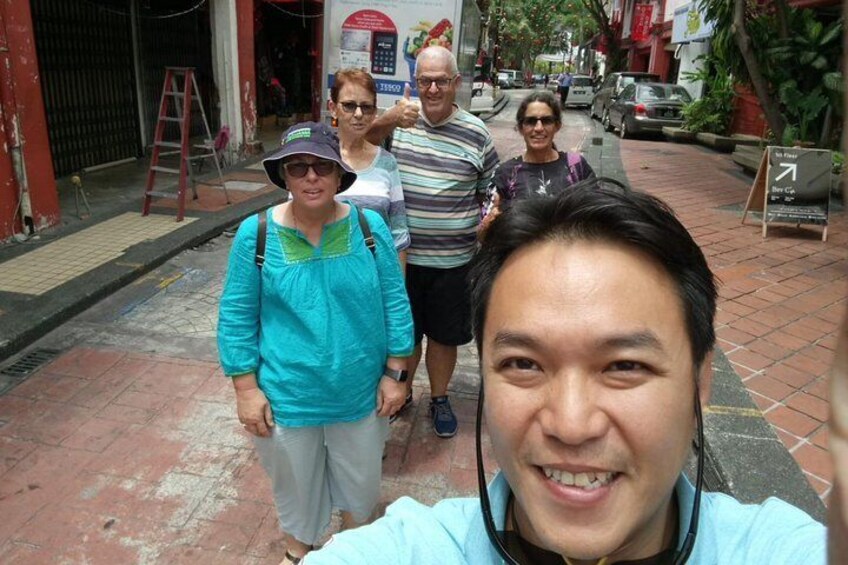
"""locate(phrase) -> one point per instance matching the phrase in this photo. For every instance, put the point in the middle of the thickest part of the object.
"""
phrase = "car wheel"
(605, 121)
(625, 133)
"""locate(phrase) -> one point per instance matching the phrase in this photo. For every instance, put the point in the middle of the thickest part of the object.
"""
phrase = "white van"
(581, 91)
(517, 77)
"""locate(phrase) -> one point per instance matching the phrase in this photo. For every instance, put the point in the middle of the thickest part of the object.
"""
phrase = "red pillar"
(660, 58)
(24, 125)
(247, 69)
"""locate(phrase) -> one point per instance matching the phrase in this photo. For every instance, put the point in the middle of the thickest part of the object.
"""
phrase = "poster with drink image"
(384, 37)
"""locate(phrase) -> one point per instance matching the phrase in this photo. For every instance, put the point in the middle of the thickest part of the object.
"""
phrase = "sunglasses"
(350, 107)
(424, 83)
(299, 169)
(531, 121)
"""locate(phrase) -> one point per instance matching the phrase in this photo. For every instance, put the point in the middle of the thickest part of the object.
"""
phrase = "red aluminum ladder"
(181, 101)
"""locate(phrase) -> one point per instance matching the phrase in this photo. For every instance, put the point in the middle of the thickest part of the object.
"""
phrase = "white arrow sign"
(790, 168)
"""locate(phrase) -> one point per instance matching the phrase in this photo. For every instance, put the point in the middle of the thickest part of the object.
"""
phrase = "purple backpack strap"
(573, 159)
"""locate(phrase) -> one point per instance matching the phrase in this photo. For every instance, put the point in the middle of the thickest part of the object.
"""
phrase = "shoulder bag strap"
(261, 230)
(572, 160)
(366, 232)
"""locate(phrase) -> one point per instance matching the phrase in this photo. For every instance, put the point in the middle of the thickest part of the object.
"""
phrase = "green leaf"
(833, 81)
(833, 32)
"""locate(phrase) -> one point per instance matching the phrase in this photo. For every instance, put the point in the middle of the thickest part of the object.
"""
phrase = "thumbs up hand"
(407, 110)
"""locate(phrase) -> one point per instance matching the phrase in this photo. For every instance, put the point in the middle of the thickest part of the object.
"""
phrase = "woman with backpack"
(542, 169)
(314, 330)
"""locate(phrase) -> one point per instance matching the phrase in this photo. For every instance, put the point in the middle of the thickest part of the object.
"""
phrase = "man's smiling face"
(589, 391)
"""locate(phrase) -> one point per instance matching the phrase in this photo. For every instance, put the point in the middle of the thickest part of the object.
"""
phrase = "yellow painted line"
(169, 281)
(733, 411)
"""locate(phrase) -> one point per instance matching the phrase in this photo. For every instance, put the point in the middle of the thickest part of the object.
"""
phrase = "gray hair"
(440, 54)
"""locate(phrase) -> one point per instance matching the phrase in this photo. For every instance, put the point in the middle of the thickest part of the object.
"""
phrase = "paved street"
(126, 447)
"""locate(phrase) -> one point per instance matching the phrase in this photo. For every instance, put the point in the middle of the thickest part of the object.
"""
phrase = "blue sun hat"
(308, 138)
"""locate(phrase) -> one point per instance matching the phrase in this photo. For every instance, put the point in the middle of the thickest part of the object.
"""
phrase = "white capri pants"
(316, 469)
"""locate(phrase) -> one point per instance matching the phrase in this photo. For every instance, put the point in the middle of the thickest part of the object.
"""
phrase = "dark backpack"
(261, 230)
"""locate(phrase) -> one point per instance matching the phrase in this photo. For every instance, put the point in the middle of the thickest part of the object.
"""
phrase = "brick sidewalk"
(117, 457)
(781, 298)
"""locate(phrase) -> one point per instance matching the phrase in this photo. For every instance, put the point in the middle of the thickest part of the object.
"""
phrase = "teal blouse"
(318, 328)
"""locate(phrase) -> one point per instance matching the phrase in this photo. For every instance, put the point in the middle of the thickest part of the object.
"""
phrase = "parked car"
(538, 79)
(646, 107)
(505, 80)
(581, 91)
(516, 76)
(613, 84)
(553, 83)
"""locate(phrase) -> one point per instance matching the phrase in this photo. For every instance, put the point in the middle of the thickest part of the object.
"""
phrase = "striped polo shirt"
(445, 169)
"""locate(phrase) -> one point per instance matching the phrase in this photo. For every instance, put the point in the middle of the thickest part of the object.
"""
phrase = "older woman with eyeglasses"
(542, 168)
(314, 330)
(353, 105)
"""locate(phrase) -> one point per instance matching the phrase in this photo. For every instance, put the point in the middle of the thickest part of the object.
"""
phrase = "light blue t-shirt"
(328, 318)
(452, 532)
(378, 188)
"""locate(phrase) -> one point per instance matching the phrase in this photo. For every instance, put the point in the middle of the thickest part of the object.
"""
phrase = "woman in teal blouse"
(316, 340)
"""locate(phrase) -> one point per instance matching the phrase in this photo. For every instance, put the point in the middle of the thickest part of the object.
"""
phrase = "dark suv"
(612, 86)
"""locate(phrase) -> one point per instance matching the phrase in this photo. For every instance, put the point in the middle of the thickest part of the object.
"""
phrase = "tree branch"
(770, 106)
(782, 13)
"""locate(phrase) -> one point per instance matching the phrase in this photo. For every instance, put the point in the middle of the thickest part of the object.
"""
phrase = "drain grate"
(30, 362)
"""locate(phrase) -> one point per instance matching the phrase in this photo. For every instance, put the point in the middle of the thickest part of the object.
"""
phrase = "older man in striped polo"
(446, 159)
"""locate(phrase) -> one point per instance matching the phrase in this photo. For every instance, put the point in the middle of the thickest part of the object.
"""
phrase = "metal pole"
(139, 78)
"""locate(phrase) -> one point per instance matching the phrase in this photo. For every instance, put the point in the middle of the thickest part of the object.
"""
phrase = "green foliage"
(712, 112)
(800, 69)
(838, 162)
(528, 28)
(803, 110)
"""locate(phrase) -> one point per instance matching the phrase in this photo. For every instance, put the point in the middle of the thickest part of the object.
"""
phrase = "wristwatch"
(396, 374)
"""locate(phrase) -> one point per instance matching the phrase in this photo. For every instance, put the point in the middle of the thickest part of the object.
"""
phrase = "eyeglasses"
(299, 169)
(531, 121)
(350, 107)
(424, 83)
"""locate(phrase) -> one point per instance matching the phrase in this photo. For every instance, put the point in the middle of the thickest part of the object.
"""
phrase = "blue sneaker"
(444, 422)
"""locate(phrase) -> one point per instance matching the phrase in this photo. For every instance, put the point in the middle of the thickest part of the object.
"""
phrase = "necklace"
(328, 219)
(552, 156)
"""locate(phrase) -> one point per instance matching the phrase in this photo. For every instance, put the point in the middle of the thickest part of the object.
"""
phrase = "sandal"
(289, 559)
(406, 404)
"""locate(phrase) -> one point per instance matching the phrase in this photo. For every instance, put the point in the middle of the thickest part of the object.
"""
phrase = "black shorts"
(440, 303)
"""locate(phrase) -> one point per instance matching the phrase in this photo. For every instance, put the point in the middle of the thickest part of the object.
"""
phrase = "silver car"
(646, 107)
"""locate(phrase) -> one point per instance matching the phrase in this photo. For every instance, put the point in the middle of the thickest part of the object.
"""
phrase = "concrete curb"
(749, 460)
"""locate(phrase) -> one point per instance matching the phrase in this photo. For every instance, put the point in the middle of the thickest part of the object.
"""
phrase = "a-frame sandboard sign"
(792, 186)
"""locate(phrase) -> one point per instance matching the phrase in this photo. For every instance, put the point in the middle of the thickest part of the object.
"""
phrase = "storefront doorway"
(288, 60)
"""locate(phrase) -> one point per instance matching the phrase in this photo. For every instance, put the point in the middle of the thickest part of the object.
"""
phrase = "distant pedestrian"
(541, 169)
(446, 160)
(565, 80)
(315, 336)
(547, 79)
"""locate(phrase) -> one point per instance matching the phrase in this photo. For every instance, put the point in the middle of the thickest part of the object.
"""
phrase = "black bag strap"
(261, 231)
(366, 232)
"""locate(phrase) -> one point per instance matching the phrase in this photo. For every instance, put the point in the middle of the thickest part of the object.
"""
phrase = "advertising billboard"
(384, 37)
